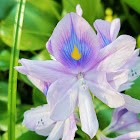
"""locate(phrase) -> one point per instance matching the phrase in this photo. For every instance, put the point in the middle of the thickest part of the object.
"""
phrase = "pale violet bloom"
(38, 120)
(122, 78)
(78, 68)
(124, 123)
(107, 32)
(134, 70)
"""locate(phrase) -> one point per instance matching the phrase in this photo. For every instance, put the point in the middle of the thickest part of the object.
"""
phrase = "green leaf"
(132, 19)
(20, 111)
(12, 88)
(138, 41)
(2, 44)
(49, 6)
(92, 9)
(81, 133)
(135, 89)
(135, 4)
(3, 116)
(134, 22)
(38, 24)
(25, 79)
(38, 97)
(104, 113)
(22, 133)
(5, 7)
(4, 60)
(3, 106)
(43, 55)
(3, 92)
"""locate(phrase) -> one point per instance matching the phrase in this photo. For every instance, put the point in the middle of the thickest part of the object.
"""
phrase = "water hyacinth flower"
(124, 76)
(124, 123)
(38, 120)
(134, 70)
(78, 68)
(107, 32)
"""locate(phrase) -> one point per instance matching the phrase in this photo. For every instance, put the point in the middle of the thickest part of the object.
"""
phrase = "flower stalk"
(12, 89)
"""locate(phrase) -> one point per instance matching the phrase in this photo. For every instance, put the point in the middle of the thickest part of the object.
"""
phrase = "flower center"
(80, 75)
(75, 54)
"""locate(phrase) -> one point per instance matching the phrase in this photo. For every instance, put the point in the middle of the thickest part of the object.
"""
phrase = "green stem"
(12, 89)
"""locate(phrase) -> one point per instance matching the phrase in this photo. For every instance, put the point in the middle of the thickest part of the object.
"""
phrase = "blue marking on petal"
(46, 87)
(83, 48)
(121, 113)
(106, 41)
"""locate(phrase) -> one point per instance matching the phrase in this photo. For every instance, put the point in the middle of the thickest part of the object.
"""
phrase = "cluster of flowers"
(85, 63)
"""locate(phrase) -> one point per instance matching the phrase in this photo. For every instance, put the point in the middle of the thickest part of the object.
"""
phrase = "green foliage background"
(40, 18)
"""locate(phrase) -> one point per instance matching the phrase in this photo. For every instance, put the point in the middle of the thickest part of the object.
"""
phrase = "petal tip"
(79, 10)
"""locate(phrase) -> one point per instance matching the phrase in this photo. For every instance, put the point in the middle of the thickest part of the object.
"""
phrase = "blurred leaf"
(3, 116)
(25, 79)
(43, 55)
(38, 24)
(135, 4)
(4, 60)
(132, 19)
(22, 133)
(3, 92)
(20, 111)
(38, 97)
(104, 113)
(5, 7)
(112, 135)
(135, 89)
(3, 105)
(49, 6)
(81, 133)
(92, 9)
(138, 41)
(2, 44)
(134, 22)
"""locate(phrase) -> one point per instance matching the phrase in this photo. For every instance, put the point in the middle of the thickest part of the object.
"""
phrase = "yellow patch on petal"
(75, 54)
